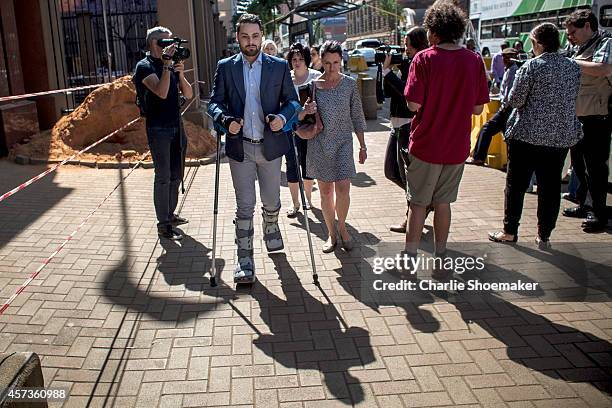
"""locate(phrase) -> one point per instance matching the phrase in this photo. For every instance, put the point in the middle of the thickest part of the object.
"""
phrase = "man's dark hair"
(248, 19)
(317, 48)
(418, 38)
(547, 35)
(504, 45)
(580, 17)
(446, 20)
(298, 48)
(333, 47)
(522, 47)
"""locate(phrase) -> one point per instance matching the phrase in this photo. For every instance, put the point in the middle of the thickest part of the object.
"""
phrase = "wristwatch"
(363, 149)
(169, 68)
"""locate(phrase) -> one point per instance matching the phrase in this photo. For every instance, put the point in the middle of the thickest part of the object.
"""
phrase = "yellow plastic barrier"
(498, 155)
(487, 61)
(357, 63)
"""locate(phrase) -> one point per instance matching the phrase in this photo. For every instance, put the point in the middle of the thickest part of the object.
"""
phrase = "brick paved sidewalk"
(124, 320)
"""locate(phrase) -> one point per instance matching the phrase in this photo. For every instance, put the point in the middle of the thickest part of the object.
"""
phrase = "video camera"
(520, 59)
(181, 53)
(397, 54)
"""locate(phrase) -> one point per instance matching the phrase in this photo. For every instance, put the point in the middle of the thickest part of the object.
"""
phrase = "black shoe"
(594, 224)
(176, 220)
(575, 212)
(400, 228)
(169, 233)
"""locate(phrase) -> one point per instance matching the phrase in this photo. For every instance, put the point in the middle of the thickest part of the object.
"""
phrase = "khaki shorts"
(429, 183)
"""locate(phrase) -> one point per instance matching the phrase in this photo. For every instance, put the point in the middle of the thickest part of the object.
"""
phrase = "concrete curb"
(113, 165)
(23, 160)
(20, 159)
(210, 159)
(86, 163)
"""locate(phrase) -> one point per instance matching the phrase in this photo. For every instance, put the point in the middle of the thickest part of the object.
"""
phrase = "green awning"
(537, 6)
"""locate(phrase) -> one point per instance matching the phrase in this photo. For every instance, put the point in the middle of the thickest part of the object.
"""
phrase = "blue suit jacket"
(277, 94)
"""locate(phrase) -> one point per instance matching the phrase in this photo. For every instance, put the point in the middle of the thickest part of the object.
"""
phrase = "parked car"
(368, 43)
(368, 54)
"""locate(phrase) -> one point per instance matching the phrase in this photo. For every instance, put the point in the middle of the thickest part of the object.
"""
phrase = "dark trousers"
(495, 125)
(395, 169)
(589, 160)
(547, 162)
(168, 147)
(291, 160)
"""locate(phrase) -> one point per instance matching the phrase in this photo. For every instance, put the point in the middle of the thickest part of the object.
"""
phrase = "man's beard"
(250, 52)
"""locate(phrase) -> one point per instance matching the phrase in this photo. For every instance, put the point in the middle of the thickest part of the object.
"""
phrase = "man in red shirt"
(446, 86)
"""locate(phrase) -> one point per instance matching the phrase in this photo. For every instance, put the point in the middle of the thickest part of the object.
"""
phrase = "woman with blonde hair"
(269, 47)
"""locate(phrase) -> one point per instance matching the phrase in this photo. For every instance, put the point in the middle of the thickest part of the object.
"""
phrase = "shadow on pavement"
(183, 263)
(362, 179)
(309, 334)
(24, 208)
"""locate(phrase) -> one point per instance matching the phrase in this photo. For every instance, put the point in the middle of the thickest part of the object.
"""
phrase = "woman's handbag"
(395, 158)
(312, 125)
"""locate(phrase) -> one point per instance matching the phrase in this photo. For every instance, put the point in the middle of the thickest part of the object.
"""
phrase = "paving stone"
(117, 305)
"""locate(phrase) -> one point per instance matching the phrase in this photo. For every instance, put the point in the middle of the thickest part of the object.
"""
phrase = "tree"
(317, 31)
(392, 10)
(263, 8)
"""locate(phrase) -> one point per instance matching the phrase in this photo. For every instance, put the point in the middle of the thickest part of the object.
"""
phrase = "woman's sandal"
(500, 236)
(330, 245)
(348, 244)
(293, 212)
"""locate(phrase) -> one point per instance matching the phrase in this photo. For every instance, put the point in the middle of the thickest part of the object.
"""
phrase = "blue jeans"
(168, 147)
(495, 125)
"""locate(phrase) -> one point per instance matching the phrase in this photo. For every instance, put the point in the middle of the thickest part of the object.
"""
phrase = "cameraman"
(158, 80)
(415, 41)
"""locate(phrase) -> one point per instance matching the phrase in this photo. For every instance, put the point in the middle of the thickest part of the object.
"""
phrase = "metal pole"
(194, 52)
(108, 53)
(213, 268)
(397, 30)
(315, 276)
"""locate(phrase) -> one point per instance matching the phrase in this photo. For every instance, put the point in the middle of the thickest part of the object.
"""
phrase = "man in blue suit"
(253, 97)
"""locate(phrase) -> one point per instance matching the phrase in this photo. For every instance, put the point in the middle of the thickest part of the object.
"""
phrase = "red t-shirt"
(447, 84)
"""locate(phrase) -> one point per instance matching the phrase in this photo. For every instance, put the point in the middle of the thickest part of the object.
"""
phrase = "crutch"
(315, 276)
(289, 127)
(213, 269)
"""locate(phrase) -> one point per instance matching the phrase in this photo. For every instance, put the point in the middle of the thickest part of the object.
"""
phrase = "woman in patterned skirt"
(330, 153)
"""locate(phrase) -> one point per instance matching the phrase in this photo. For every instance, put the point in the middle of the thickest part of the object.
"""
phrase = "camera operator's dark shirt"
(159, 112)
(394, 89)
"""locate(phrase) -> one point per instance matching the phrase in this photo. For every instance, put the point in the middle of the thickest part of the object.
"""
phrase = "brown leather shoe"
(401, 228)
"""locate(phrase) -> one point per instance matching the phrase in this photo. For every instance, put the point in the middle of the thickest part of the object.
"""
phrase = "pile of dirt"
(104, 110)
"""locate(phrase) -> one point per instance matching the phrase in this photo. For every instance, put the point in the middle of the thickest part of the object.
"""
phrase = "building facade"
(227, 10)
(73, 41)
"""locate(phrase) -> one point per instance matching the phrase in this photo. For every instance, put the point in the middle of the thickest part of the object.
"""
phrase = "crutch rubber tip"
(213, 281)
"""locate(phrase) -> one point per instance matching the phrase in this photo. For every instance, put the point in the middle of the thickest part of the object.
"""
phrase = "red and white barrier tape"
(51, 169)
(45, 93)
(59, 248)
(55, 91)
(69, 238)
